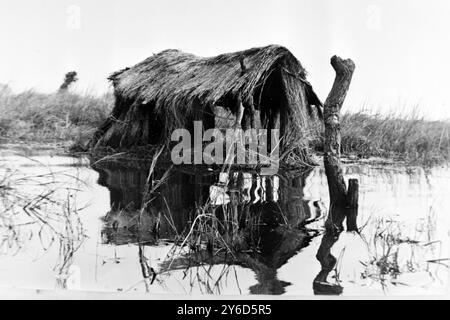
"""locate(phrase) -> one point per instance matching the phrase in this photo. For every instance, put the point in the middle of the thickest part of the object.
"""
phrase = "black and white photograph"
(210, 149)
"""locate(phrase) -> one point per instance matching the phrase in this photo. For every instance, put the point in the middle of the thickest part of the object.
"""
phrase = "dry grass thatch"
(166, 91)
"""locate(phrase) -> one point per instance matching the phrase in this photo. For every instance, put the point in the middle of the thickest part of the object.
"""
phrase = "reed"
(66, 118)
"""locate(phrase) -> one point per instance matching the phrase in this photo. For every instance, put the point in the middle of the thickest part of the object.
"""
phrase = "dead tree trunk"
(343, 202)
(336, 184)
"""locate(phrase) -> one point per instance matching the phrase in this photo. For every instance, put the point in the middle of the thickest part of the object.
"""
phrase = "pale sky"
(401, 47)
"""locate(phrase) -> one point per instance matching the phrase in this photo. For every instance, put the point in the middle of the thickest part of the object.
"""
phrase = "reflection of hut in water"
(267, 211)
(265, 87)
(127, 223)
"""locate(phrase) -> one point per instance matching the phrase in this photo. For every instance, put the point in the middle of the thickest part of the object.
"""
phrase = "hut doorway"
(273, 104)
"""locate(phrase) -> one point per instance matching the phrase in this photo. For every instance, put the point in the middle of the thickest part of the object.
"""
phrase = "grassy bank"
(404, 137)
(59, 118)
(70, 119)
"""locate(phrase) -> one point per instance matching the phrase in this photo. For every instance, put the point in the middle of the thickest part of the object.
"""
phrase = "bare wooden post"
(336, 184)
(239, 113)
(249, 114)
(239, 104)
(246, 109)
(243, 67)
(352, 204)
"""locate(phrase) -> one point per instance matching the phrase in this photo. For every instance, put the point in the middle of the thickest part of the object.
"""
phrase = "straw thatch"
(171, 89)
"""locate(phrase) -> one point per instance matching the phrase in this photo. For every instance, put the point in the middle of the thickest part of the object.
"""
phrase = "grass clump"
(62, 117)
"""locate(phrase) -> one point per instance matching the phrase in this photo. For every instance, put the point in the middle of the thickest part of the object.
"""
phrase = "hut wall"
(296, 122)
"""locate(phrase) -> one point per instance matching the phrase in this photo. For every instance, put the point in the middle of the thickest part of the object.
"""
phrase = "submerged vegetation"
(39, 206)
(398, 251)
(70, 119)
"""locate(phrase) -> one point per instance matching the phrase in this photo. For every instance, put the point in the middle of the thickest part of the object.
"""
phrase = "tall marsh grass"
(64, 117)
(405, 137)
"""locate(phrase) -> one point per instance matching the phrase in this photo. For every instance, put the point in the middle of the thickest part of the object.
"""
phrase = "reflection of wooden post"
(327, 263)
(332, 107)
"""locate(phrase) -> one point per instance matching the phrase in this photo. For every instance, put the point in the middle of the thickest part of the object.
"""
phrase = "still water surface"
(67, 226)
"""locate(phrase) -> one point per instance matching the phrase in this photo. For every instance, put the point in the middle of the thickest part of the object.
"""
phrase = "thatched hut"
(171, 89)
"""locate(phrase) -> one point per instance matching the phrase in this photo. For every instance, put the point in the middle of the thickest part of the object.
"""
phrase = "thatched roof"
(173, 76)
(172, 83)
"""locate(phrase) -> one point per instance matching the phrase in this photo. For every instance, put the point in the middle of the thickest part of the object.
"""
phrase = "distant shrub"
(69, 78)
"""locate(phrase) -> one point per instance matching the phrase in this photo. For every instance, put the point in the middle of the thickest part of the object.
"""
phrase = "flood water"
(67, 226)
